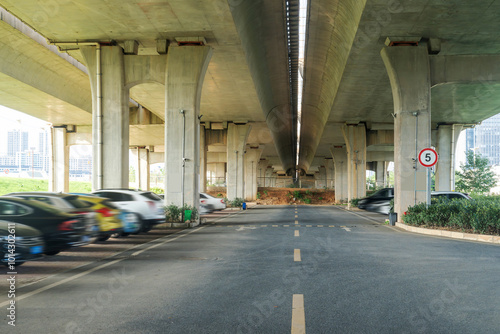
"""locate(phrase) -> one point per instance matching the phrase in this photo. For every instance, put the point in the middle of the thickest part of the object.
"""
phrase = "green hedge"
(479, 215)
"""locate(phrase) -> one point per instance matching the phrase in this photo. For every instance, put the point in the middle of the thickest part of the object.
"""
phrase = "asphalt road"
(281, 269)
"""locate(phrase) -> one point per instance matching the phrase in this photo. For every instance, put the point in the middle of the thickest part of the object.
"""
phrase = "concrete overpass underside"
(357, 102)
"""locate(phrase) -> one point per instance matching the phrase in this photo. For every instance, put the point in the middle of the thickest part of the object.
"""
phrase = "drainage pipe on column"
(99, 116)
(183, 160)
(452, 164)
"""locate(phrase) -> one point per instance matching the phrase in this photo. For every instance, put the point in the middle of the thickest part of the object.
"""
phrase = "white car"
(147, 205)
(212, 203)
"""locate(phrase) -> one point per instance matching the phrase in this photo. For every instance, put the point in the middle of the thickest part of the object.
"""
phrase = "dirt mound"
(283, 196)
(280, 196)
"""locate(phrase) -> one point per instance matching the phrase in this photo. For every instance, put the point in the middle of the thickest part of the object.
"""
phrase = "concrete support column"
(252, 158)
(386, 177)
(203, 160)
(380, 174)
(186, 68)
(355, 138)
(321, 178)
(110, 128)
(237, 136)
(447, 137)
(409, 73)
(143, 168)
(269, 177)
(274, 179)
(339, 155)
(261, 172)
(59, 163)
(330, 173)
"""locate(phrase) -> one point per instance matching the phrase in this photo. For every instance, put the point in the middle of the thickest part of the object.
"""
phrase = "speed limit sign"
(428, 157)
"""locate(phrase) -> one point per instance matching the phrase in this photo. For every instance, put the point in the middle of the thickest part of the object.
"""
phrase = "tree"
(476, 176)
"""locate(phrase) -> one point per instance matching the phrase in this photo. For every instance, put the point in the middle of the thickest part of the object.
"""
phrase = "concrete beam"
(464, 69)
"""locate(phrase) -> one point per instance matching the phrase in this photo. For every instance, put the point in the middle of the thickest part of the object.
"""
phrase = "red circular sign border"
(427, 149)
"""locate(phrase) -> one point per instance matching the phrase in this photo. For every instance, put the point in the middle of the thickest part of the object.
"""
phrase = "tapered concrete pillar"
(339, 155)
(252, 158)
(380, 174)
(59, 163)
(110, 126)
(409, 73)
(143, 168)
(355, 138)
(203, 160)
(186, 68)
(237, 136)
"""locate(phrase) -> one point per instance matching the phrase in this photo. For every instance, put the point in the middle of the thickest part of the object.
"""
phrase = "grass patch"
(12, 184)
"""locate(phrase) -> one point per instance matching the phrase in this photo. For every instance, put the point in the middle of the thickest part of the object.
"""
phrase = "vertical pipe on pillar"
(236, 173)
(183, 159)
(452, 162)
(99, 117)
(416, 155)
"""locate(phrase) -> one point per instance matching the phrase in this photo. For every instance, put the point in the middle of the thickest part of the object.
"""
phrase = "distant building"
(485, 139)
(17, 141)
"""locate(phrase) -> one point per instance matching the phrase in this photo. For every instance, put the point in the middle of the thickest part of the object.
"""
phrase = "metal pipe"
(452, 164)
(99, 117)
(183, 159)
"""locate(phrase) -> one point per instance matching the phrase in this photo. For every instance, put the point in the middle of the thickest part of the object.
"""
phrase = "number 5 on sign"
(428, 157)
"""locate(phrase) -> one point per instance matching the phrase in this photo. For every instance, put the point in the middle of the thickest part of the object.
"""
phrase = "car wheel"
(141, 224)
(146, 227)
(52, 252)
(103, 237)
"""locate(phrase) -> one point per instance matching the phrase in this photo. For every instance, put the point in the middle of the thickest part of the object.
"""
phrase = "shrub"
(354, 201)
(237, 202)
(479, 215)
(307, 200)
(173, 213)
(320, 198)
(258, 195)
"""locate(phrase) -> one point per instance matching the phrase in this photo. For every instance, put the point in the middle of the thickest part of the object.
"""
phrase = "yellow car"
(107, 216)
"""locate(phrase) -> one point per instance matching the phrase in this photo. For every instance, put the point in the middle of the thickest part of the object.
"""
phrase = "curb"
(450, 234)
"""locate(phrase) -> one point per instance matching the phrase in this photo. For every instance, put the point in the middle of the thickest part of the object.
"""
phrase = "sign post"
(428, 157)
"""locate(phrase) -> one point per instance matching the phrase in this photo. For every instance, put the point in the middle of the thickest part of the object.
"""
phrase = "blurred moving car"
(66, 202)
(60, 230)
(107, 214)
(131, 223)
(19, 243)
(378, 201)
(146, 204)
(212, 203)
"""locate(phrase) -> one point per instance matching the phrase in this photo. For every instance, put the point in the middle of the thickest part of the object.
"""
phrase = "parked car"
(107, 215)
(378, 201)
(147, 205)
(19, 243)
(212, 203)
(65, 202)
(60, 230)
(449, 195)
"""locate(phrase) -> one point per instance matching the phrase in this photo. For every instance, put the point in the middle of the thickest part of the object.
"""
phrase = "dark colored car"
(380, 201)
(19, 243)
(65, 202)
(61, 230)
